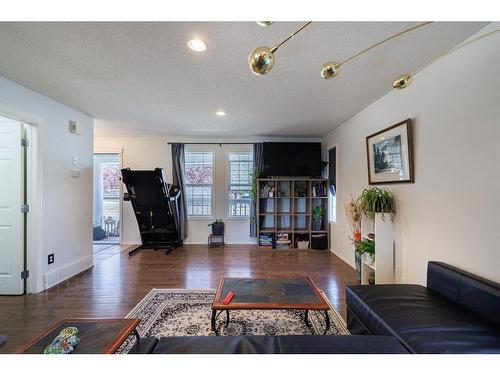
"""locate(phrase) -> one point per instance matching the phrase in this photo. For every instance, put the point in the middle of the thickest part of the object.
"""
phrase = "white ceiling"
(142, 75)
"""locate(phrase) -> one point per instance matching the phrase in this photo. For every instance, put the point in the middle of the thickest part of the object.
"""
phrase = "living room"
(293, 187)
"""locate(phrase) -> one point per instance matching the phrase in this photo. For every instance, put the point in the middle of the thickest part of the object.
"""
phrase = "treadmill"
(155, 207)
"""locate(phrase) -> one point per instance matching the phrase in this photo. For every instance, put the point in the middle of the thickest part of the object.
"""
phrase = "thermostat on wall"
(74, 128)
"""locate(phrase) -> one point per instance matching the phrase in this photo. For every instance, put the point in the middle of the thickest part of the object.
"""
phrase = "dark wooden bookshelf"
(289, 209)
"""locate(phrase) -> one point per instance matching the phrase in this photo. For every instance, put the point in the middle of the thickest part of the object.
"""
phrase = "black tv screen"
(291, 159)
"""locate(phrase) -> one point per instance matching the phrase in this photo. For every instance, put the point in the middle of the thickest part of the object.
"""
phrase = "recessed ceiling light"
(220, 113)
(197, 45)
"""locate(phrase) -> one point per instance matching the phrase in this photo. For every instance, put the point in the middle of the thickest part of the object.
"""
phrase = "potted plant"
(354, 213)
(367, 249)
(376, 200)
(217, 227)
(317, 215)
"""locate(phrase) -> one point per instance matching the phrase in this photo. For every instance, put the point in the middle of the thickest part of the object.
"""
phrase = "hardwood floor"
(117, 283)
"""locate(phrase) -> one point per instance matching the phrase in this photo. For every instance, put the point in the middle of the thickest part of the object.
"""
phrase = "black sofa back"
(472, 292)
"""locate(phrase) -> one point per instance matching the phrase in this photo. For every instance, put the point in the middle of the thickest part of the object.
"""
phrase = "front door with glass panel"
(107, 217)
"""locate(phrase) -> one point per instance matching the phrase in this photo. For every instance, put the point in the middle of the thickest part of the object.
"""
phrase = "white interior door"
(11, 199)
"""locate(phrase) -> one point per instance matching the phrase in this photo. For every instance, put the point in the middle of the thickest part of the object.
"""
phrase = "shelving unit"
(285, 206)
(383, 266)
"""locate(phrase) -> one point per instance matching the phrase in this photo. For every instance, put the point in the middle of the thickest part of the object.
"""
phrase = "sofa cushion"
(217, 345)
(423, 321)
(328, 344)
(308, 344)
(474, 293)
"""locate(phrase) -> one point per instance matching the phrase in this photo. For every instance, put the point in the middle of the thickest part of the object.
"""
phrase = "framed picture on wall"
(390, 155)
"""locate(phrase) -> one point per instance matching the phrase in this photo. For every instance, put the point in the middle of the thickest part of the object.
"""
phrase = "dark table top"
(96, 335)
(279, 293)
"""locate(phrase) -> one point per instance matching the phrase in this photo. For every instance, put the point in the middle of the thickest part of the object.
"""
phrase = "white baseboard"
(348, 261)
(58, 275)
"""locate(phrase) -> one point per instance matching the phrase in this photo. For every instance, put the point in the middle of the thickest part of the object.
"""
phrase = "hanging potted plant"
(376, 200)
(317, 215)
(217, 227)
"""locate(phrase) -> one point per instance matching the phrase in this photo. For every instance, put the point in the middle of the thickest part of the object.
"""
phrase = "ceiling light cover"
(220, 113)
(264, 23)
(197, 45)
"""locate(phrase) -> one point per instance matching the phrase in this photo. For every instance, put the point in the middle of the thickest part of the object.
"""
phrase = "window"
(332, 183)
(199, 166)
(240, 184)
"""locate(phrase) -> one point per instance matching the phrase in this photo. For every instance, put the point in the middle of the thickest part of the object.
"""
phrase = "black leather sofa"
(270, 345)
(457, 312)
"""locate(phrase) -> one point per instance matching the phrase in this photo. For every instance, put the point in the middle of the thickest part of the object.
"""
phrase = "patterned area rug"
(186, 312)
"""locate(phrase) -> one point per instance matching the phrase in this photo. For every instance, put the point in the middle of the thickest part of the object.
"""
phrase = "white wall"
(148, 152)
(65, 218)
(452, 211)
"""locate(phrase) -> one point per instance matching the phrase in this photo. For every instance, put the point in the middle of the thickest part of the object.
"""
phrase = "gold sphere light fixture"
(264, 23)
(261, 60)
(331, 69)
(403, 81)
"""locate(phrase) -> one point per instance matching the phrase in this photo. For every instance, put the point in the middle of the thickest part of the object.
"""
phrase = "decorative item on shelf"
(282, 194)
(317, 215)
(302, 241)
(301, 189)
(371, 278)
(283, 241)
(217, 227)
(354, 213)
(266, 191)
(390, 154)
(376, 200)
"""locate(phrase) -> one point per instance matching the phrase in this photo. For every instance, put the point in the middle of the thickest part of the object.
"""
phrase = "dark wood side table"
(269, 294)
(97, 336)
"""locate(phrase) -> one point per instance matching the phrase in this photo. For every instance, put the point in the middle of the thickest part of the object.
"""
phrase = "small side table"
(215, 241)
(97, 336)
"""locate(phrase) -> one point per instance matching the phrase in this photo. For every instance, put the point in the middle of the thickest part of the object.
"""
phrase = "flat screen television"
(291, 159)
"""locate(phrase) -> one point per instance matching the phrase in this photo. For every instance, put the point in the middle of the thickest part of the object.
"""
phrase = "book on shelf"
(319, 190)
(266, 240)
(282, 237)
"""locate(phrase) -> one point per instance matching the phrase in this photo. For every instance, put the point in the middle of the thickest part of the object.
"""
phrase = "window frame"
(228, 183)
(333, 212)
(212, 201)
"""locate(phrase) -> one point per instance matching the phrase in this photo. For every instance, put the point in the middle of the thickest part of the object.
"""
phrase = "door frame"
(118, 152)
(32, 229)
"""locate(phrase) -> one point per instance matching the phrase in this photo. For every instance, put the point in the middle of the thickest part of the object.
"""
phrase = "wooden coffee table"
(97, 336)
(269, 294)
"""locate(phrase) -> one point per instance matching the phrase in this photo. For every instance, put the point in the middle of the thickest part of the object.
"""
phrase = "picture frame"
(389, 155)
